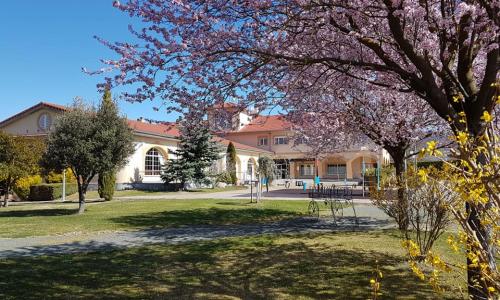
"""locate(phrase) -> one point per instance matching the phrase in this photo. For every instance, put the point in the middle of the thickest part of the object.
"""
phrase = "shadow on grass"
(250, 268)
(210, 216)
(38, 213)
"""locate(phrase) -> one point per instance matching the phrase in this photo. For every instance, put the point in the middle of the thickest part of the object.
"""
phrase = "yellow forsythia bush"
(22, 186)
(54, 177)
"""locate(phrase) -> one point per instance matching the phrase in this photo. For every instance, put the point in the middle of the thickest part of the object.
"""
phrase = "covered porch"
(335, 167)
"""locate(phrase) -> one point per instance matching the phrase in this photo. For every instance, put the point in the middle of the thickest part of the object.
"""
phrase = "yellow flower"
(462, 138)
(431, 146)
(372, 281)
(491, 289)
(487, 117)
(423, 175)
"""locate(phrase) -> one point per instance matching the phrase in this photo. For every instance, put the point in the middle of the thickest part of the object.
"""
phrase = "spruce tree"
(231, 162)
(196, 153)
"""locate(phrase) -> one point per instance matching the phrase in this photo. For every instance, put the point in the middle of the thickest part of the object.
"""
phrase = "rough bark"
(398, 155)
(81, 195)
(7, 191)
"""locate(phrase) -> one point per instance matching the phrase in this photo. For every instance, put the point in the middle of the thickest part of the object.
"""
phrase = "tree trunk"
(6, 199)
(398, 155)
(81, 196)
(7, 190)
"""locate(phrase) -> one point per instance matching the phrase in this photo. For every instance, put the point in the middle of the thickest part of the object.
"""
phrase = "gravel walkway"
(369, 218)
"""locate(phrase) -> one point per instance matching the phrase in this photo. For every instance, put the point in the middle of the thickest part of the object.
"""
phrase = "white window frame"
(153, 162)
(281, 140)
(261, 139)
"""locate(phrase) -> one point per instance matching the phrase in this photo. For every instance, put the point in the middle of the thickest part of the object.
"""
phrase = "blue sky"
(44, 45)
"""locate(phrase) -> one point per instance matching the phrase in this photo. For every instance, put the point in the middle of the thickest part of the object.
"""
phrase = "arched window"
(250, 168)
(154, 161)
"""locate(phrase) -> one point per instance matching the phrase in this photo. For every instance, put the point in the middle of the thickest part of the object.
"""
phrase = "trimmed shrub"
(51, 191)
(23, 185)
(106, 185)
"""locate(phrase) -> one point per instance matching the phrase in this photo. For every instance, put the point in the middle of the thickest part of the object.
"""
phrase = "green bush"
(22, 186)
(225, 177)
(106, 185)
(51, 191)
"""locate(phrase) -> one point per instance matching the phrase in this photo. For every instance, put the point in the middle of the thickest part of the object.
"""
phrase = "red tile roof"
(32, 109)
(167, 128)
(267, 123)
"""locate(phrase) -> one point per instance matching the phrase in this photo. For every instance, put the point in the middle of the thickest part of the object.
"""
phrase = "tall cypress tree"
(231, 162)
(107, 114)
(196, 153)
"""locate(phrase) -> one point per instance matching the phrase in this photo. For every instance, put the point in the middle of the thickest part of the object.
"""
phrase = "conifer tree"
(231, 162)
(196, 153)
(107, 116)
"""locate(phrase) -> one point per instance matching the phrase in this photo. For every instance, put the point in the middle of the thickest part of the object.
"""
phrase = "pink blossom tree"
(359, 113)
(194, 53)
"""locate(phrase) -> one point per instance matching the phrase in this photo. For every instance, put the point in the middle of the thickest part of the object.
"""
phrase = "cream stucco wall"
(28, 125)
(252, 139)
(134, 170)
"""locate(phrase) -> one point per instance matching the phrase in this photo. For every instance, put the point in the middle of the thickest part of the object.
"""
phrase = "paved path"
(275, 193)
(369, 218)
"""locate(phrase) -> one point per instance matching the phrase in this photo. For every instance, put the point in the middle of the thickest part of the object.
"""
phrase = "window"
(282, 170)
(44, 122)
(154, 160)
(306, 170)
(263, 141)
(300, 140)
(336, 170)
(250, 168)
(280, 140)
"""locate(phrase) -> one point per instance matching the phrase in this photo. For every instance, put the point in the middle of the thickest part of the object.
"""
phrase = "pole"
(251, 188)
(378, 174)
(363, 171)
(64, 186)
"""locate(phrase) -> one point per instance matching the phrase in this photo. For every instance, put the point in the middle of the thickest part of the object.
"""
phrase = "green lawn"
(133, 193)
(60, 218)
(310, 266)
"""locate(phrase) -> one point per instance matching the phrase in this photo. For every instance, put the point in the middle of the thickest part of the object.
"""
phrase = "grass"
(307, 266)
(135, 193)
(61, 218)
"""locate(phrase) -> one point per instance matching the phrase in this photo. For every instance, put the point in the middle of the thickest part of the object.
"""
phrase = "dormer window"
(44, 122)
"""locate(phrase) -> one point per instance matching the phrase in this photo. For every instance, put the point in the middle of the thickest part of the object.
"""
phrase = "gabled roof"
(167, 128)
(28, 111)
(267, 123)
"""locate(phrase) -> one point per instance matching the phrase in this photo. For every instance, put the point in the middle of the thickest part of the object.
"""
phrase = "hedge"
(51, 191)
(23, 185)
